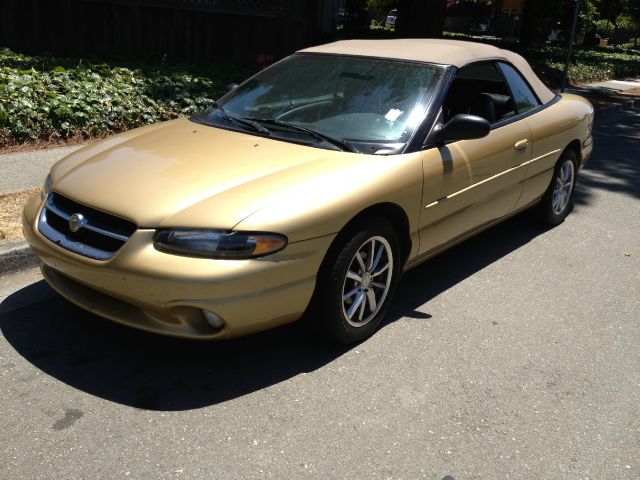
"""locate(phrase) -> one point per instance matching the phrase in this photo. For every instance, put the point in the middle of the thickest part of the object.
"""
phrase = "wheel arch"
(389, 211)
(575, 145)
(394, 214)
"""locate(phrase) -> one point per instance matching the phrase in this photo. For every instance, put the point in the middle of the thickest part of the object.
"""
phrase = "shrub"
(46, 98)
(605, 28)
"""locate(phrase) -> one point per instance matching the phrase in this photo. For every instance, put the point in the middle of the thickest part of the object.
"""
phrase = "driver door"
(469, 184)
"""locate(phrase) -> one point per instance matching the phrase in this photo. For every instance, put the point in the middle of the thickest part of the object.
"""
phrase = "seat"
(483, 106)
(504, 105)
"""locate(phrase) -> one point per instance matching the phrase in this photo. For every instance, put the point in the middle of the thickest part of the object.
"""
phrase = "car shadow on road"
(158, 373)
(615, 165)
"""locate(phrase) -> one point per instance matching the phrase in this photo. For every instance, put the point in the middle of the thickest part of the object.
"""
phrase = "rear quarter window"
(523, 96)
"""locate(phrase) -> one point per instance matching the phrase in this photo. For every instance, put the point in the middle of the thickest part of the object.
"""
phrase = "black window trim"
(436, 112)
(415, 142)
(499, 72)
(442, 95)
(506, 81)
(421, 133)
(506, 121)
(412, 144)
(498, 62)
(419, 140)
(520, 116)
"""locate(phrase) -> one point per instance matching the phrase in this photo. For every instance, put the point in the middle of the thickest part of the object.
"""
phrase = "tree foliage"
(421, 18)
(541, 15)
(380, 8)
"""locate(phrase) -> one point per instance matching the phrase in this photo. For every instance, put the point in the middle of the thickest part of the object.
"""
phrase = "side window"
(524, 98)
(479, 89)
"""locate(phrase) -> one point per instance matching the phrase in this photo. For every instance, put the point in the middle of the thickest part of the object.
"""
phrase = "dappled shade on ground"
(615, 164)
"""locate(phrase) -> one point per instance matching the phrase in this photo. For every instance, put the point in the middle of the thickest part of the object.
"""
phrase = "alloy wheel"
(367, 281)
(563, 187)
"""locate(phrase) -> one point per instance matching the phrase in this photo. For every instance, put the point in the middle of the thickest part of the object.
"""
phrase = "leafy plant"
(47, 98)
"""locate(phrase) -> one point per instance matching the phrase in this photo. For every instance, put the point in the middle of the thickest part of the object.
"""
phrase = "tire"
(350, 302)
(557, 201)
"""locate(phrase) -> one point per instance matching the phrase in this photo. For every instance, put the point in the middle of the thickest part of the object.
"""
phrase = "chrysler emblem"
(76, 222)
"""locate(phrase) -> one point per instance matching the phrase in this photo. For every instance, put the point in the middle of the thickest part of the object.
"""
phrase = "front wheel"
(557, 201)
(357, 281)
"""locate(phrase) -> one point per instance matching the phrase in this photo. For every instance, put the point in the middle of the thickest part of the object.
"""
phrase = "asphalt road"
(22, 170)
(514, 355)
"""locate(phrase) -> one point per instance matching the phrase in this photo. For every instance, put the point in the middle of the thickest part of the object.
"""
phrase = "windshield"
(346, 98)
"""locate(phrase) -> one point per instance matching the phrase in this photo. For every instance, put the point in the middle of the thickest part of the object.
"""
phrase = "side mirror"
(460, 127)
(231, 86)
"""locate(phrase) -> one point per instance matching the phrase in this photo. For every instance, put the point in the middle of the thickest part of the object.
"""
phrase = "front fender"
(333, 194)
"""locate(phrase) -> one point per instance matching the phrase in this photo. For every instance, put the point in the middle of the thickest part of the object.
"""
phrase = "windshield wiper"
(242, 121)
(256, 124)
(338, 142)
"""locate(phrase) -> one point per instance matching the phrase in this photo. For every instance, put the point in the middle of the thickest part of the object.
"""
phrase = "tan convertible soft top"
(444, 52)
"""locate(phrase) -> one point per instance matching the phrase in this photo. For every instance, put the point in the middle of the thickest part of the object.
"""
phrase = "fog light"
(212, 319)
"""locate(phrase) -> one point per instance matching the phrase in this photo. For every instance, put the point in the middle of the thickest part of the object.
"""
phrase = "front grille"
(99, 235)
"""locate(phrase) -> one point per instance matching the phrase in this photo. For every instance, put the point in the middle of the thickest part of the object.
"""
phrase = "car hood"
(163, 175)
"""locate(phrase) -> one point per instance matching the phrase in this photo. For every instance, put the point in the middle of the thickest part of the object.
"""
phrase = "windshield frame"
(362, 147)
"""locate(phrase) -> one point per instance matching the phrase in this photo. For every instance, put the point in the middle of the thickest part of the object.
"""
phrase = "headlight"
(218, 244)
(46, 188)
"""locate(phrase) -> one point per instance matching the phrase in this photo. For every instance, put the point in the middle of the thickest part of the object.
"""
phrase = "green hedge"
(47, 98)
(586, 65)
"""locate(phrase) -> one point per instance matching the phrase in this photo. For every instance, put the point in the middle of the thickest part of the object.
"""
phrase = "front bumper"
(162, 293)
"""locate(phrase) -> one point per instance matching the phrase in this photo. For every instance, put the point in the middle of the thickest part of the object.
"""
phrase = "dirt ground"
(43, 144)
(11, 205)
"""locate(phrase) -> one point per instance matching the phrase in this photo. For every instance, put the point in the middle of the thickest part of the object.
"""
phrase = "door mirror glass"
(460, 127)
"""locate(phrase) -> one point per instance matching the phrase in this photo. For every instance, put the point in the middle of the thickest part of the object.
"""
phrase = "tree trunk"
(528, 29)
(497, 8)
(533, 14)
(420, 18)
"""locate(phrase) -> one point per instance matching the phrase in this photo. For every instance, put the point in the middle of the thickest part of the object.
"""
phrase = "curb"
(15, 256)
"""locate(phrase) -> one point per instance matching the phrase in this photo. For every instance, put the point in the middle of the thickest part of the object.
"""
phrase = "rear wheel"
(557, 201)
(357, 281)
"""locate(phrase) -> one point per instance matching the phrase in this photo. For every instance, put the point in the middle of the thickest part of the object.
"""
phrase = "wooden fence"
(200, 31)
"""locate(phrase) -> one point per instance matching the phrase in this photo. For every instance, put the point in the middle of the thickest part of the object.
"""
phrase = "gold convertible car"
(309, 188)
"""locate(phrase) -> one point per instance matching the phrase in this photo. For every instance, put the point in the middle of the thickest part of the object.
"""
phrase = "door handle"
(521, 145)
